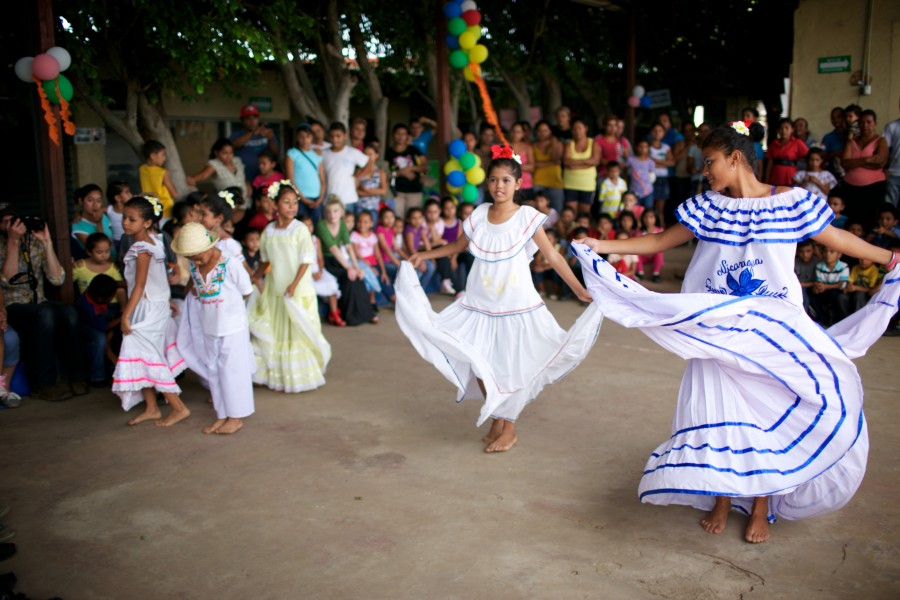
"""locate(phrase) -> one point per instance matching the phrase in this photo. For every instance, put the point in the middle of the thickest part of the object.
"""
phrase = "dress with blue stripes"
(770, 403)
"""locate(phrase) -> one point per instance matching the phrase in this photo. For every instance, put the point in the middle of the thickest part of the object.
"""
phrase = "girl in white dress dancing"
(769, 418)
(498, 341)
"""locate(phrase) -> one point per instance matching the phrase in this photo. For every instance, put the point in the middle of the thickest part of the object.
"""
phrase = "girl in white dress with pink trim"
(497, 342)
(146, 364)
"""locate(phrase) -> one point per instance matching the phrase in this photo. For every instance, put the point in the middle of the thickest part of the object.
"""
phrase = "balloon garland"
(464, 170)
(639, 98)
(45, 71)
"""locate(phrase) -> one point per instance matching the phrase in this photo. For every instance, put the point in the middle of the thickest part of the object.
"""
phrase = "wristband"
(895, 257)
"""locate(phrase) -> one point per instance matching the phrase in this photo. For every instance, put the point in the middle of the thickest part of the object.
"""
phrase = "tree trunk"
(156, 124)
(597, 98)
(455, 93)
(519, 87)
(377, 98)
(302, 96)
(552, 92)
(126, 128)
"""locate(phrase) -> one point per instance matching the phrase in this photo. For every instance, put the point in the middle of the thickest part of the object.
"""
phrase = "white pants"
(230, 365)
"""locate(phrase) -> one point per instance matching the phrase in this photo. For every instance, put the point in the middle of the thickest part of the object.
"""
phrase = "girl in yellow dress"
(291, 352)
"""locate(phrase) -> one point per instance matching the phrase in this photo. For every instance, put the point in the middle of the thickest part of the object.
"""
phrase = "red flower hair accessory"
(504, 152)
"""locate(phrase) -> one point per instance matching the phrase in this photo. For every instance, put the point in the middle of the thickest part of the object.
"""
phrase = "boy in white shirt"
(341, 162)
(611, 189)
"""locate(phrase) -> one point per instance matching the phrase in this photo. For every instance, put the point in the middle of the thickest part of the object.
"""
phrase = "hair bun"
(757, 131)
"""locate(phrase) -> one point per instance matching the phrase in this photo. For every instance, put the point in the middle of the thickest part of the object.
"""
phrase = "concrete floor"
(375, 487)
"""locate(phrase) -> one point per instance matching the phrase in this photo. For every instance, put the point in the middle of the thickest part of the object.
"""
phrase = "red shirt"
(259, 221)
(790, 151)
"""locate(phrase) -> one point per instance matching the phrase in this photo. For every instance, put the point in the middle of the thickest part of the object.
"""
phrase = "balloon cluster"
(464, 171)
(639, 98)
(45, 71)
(463, 34)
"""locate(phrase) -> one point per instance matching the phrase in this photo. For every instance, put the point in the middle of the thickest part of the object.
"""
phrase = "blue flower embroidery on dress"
(745, 285)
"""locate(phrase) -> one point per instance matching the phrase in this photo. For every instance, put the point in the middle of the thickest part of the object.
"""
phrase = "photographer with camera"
(47, 330)
(250, 141)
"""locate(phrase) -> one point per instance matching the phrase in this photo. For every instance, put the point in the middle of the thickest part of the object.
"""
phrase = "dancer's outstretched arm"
(847, 243)
(653, 243)
(560, 265)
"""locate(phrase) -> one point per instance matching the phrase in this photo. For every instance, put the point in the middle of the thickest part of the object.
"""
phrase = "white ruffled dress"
(499, 331)
(149, 356)
(770, 403)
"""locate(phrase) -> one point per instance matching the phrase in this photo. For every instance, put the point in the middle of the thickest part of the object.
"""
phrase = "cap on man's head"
(249, 110)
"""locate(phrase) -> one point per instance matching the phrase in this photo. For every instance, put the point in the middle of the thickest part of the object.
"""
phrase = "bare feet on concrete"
(174, 417)
(231, 426)
(758, 526)
(714, 521)
(215, 426)
(506, 440)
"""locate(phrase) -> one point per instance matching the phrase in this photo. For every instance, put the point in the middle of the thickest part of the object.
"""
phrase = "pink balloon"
(634, 101)
(45, 67)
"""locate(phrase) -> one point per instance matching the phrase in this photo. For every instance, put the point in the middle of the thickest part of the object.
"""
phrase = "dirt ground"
(375, 487)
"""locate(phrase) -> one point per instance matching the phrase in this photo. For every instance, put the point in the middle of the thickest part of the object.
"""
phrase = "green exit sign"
(834, 64)
(263, 103)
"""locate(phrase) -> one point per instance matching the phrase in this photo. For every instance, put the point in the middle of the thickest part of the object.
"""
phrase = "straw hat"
(193, 239)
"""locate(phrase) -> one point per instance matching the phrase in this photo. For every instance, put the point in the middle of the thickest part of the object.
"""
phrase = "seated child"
(98, 325)
(566, 223)
(98, 261)
(630, 203)
(388, 249)
(832, 276)
(863, 283)
(265, 212)
(887, 234)
(542, 203)
(583, 220)
(365, 243)
(815, 179)
(268, 171)
(325, 284)
(416, 238)
(579, 234)
(837, 207)
(627, 222)
(605, 227)
(648, 220)
(625, 264)
(542, 273)
(805, 269)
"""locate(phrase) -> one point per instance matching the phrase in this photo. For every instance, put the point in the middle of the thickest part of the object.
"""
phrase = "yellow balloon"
(471, 71)
(475, 175)
(453, 189)
(477, 160)
(467, 40)
(479, 52)
(474, 30)
(452, 165)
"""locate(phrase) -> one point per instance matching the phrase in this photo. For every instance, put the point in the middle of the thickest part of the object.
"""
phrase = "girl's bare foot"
(506, 440)
(758, 526)
(174, 417)
(147, 415)
(714, 521)
(214, 427)
(230, 426)
(494, 433)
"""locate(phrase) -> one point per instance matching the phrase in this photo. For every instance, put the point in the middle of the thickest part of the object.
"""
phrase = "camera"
(31, 223)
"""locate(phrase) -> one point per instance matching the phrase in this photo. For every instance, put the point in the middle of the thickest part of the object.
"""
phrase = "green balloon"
(467, 161)
(456, 26)
(65, 88)
(469, 193)
(459, 59)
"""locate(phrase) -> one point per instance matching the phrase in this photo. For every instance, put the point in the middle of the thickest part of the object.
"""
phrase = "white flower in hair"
(155, 203)
(227, 197)
(272, 191)
(740, 127)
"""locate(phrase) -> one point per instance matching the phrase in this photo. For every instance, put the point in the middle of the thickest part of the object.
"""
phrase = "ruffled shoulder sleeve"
(784, 218)
(141, 248)
(494, 243)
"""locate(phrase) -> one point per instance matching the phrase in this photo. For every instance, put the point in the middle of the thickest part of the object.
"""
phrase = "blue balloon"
(452, 9)
(645, 102)
(456, 178)
(452, 41)
(457, 148)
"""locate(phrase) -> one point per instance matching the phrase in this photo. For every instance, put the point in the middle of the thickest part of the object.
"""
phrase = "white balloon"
(638, 91)
(23, 69)
(469, 5)
(62, 56)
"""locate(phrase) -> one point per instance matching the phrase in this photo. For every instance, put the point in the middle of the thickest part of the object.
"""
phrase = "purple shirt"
(639, 171)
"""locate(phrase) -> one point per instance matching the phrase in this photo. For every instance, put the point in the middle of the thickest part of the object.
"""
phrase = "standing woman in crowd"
(783, 154)
(547, 175)
(303, 166)
(580, 158)
(610, 147)
(226, 169)
(863, 160)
